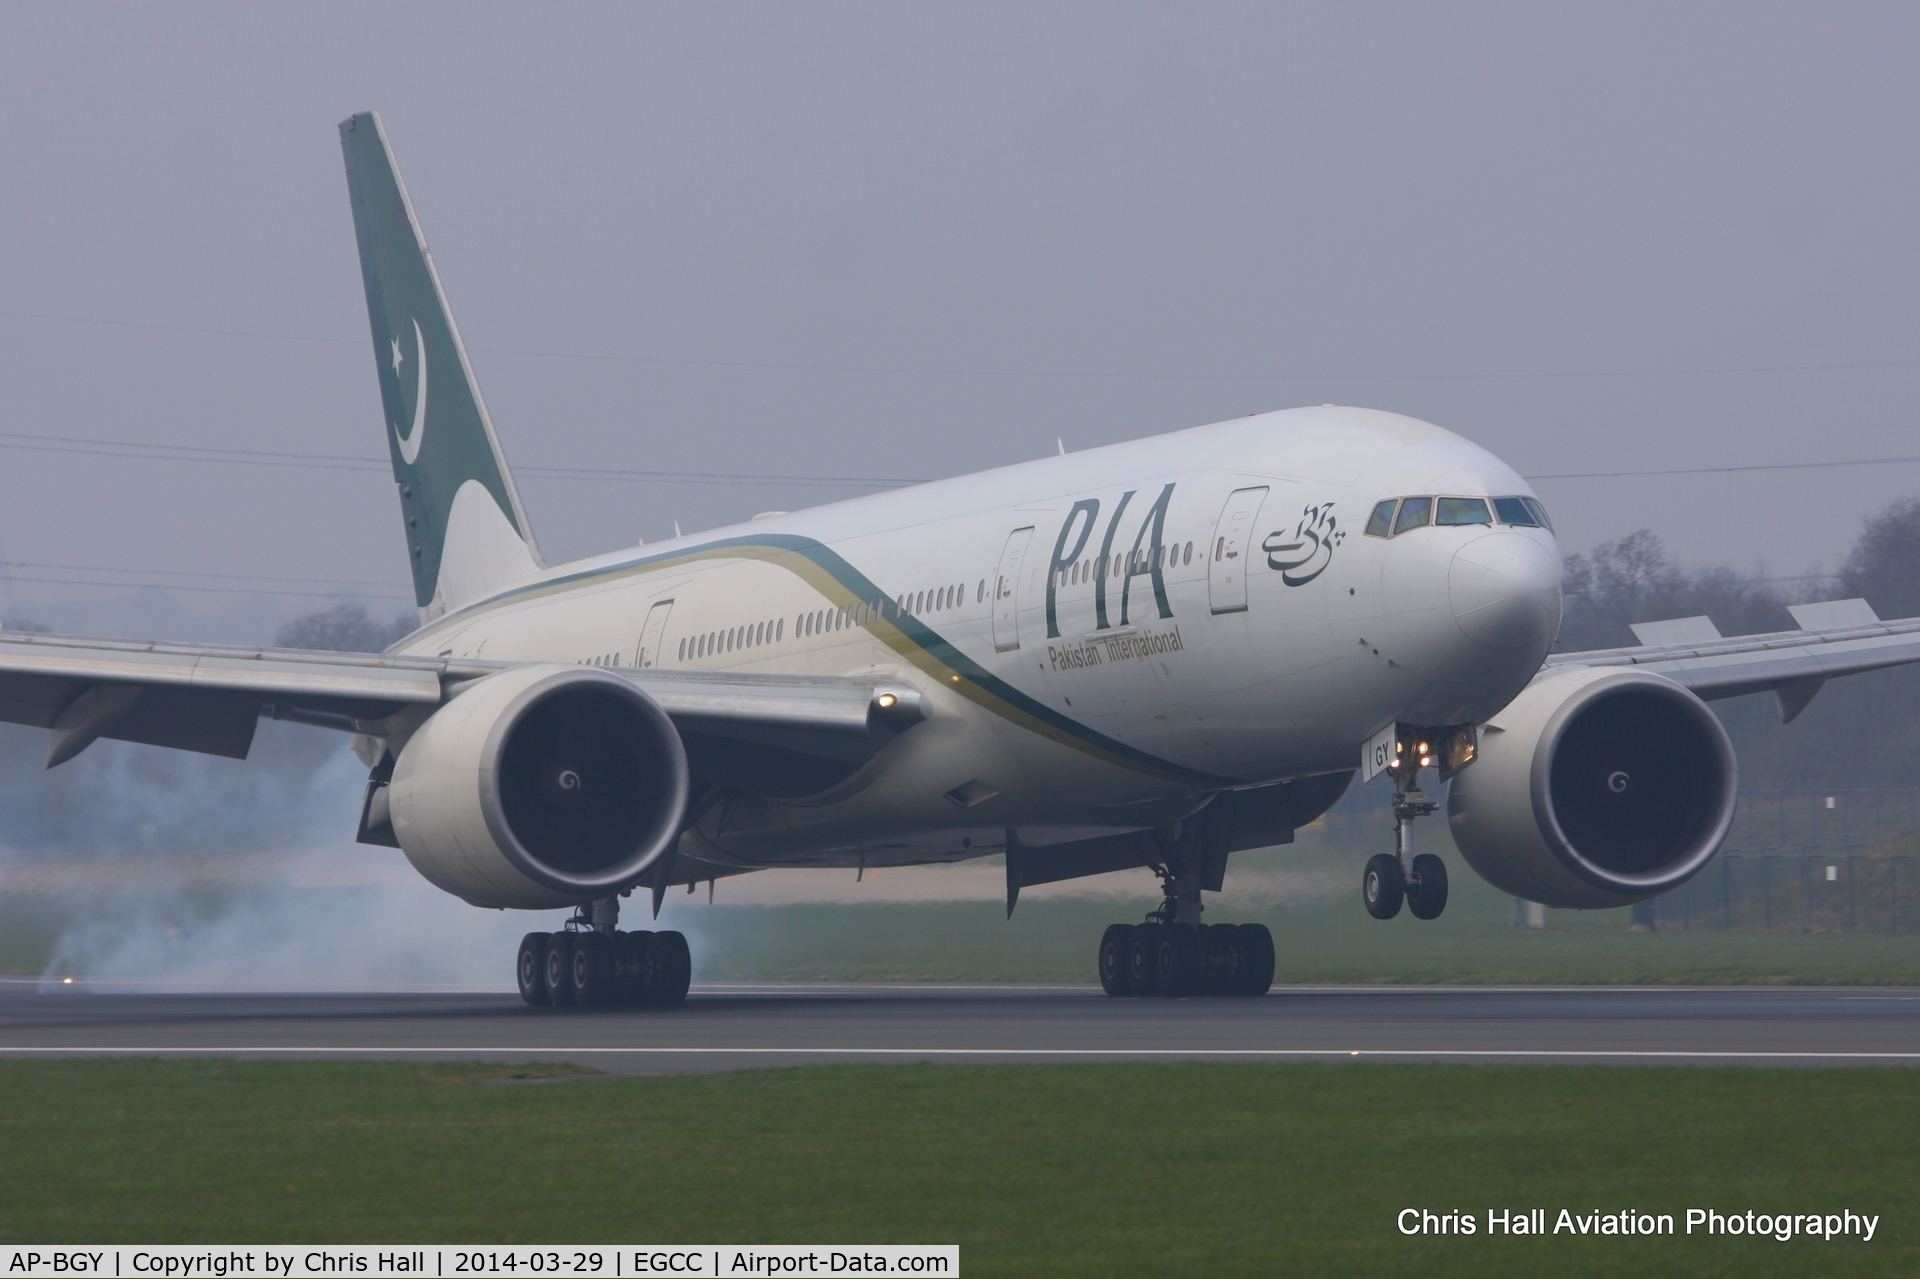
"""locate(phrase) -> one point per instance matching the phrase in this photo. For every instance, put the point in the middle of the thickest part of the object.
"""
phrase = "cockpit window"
(1463, 510)
(1381, 522)
(1414, 512)
(1513, 510)
(1539, 511)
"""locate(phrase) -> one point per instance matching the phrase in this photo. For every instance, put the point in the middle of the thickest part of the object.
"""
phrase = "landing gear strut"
(592, 963)
(1402, 876)
(1172, 953)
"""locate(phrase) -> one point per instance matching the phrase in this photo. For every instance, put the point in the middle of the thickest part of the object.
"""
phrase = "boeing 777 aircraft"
(1154, 654)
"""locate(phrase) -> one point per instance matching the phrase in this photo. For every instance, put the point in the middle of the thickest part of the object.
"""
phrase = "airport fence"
(1835, 821)
(1806, 892)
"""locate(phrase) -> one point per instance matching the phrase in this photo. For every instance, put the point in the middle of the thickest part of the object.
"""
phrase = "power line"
(1090, 375)
(1728, 470)
(216, 590)
(169, 572)
(136, 450)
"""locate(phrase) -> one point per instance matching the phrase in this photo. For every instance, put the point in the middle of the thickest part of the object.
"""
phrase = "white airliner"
(1154, 654)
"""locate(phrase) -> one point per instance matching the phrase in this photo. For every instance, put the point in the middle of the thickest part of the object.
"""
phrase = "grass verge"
(1171, 1169)
(1055, 940)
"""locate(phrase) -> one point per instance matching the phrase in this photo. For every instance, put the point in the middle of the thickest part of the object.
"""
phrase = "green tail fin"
(467, 534)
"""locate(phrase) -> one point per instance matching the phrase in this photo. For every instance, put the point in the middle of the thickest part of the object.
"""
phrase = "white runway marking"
(1170, 1053)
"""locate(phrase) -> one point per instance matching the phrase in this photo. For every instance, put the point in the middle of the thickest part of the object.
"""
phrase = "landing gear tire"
(1116, 973)
(633, 966)
(1159, 960)
(1143, 960)
(1220, 959)
(1177, 960)
(1254, 948)
(530, 970)
(590, 970)
(1383, 886)
(672, 969)
(1427, 890)
(557, 971)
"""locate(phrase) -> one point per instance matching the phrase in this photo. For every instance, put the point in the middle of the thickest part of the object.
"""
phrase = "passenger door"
(1227, 562)
(652, 633)
(1006, 591)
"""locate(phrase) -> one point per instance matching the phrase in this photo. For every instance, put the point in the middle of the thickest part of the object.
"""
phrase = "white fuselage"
(1104, 637)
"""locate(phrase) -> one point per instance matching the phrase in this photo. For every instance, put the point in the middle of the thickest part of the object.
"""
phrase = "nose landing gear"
(593, 963)
(1420, 881)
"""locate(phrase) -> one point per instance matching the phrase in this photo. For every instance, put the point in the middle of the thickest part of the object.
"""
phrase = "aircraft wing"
(208, 698)
(1837, 637)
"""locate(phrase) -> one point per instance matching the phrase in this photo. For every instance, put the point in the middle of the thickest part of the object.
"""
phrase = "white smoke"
(136, 902)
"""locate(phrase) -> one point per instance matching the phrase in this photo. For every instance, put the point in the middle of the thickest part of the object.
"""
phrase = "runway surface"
(735, 1026)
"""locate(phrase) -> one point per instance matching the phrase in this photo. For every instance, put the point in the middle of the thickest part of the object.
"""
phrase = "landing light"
(887, 700)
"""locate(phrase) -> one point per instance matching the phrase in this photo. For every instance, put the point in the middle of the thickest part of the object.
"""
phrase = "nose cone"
(1505, 591)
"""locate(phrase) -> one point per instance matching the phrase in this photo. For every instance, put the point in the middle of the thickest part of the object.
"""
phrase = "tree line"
(1862, 731)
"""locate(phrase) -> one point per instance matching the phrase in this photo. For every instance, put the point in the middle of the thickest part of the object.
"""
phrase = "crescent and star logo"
(410, 442)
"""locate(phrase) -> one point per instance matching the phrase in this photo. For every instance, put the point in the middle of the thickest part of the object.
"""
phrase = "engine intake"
(1595, 787)
(539, 787)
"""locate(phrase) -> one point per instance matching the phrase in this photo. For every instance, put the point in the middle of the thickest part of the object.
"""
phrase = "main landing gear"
(593, 963)
(1162, 958)
(1172, 953)
(1401, 876)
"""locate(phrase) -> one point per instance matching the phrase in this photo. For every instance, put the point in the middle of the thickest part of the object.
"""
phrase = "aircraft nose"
(1505, 590)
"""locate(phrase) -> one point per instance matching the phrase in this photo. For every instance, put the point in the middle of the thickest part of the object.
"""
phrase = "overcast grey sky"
(916, 240)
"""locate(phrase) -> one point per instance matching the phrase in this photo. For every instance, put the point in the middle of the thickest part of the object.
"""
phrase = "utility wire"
(217, 590)
(132, 449)
(169, 572)
(938, 371)
(1728, 470)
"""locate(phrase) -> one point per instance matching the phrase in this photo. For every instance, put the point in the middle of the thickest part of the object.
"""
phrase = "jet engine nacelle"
(1595, 787)
(539, 787)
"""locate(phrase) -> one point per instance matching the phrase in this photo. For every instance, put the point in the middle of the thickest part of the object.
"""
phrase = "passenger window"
(1415, 512)
(1539, 511)
(1512, 510)
(1381, 522)
(1463, 510)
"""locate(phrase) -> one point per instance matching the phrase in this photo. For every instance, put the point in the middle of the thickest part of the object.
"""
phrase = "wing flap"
(187, 719)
